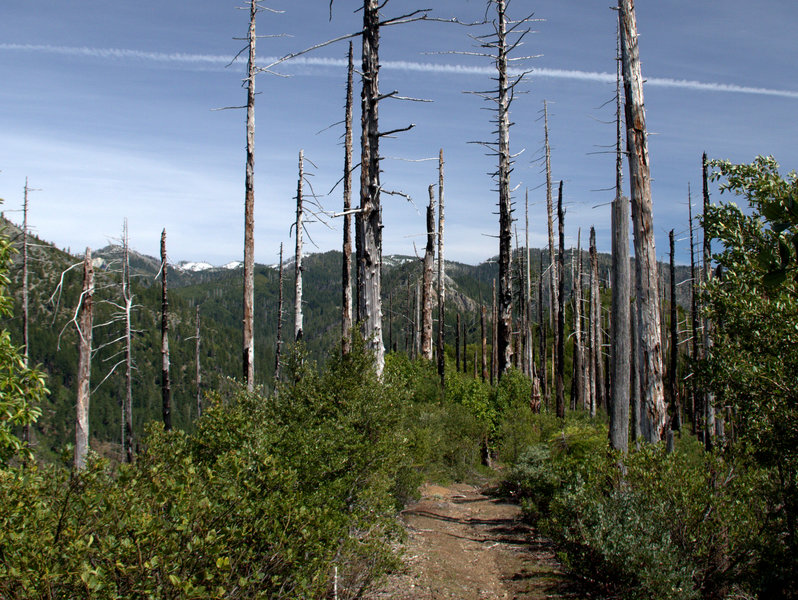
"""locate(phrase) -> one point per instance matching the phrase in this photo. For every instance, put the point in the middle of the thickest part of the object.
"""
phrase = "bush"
(261, 501)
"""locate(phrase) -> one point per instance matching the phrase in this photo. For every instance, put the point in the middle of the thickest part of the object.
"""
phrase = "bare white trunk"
(426, 285)
(346, 276)
(84, 363)
(298, 255)
(441, 279)
(249, 212)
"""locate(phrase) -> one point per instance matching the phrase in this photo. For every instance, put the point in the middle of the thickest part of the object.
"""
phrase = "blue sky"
(107, 108)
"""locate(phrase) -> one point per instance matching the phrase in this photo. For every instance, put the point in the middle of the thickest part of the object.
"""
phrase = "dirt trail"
(466, 545)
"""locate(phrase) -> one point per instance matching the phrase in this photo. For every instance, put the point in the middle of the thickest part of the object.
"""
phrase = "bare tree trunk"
(417, 320)
(249, 211)
(426, 284)
(585, 375)
(560, 309)
(482, 319)
(695, 401)
(166, 387)
(544, 386)
(84, 364)
(709, 398)
(577, 383)
(650, 351)
(441, 278)
(198, 378)
(494, 359)
(346, 275)
(369, 221)
(505, 308)
(25, 313)
(279, 346)
(595, 307)
(127, 404)
(390, 322)
(635, 383)
(529, 352)
(676, 405)
(620, 350)
(298, 256)
(457, 345)
(553, 285)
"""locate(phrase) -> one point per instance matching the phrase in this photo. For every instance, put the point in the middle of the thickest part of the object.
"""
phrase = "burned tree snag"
(577, 382)
(650, 350)
(695, 402)
(593, 326)
(426, 284)
(441, 278)
(279, 346)
(84, 363)
(676, 406)
(560, 367)
(166, 386)
(298, 256)
(249, 211)
(482, 318)
(346, 274)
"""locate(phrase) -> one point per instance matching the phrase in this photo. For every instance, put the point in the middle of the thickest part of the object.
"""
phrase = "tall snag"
(620, 350)
(426, 283)
(298, 226)
(166, 387)
(673, 381)
(84, 363)
(650, 343)
(560, 366)
(441, 278)
(695, 402)
(593, 327)
(553, 279)
(249, 211)
(577, 381)
(346, 274)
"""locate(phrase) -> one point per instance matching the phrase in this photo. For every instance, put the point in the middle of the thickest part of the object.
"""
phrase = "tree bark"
(84, 364)
(577, 382)
(298, 320)
(505, 307)
(560, 367)
(709, 398)
(676, 406)
(198, 378)
(595, 307)
(494, 359)
(441, 278)
(346, 274)
(482, 319)
(542, 372)
(694, 356)
(650, 351)
(166, 385)
(426, 284)
(249, 212)
(553, 285)
(279, 345)
(635, 376)
(127, 403)
(369, 221)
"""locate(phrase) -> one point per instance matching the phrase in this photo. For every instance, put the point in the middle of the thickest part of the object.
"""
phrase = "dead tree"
(650, 350)
(560, 367)
(298, 228)
(249, 210)
(542, 372)
(198, 376)
(279, 345)
(529, 353)
(553, 280)
(166, 388)
(709, 399)
(84, 363)
(426, 284)
(441, 278)
(634, 401)
(620, 351)
(676, 408)
(694, 400)
(577, 381)
(482, 318)
(346, 275)
(593, 326)
(127, 298)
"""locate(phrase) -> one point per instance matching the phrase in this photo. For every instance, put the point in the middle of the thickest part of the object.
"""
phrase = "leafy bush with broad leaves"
(263, 500)
(22, 389)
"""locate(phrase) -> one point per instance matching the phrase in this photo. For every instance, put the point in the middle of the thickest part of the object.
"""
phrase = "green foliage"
(261, 501)
(22, 389)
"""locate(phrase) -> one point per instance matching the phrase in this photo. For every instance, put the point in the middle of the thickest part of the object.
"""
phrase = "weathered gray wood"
(673, 380)
(650, 350)
(484, 339)
(426, 280)
(346, 272)
(441, 278)
(166, 385)
(553, 288)
(369, 220)
(560, 366)
(249, 211)
(695, 401)
(298, 231)
(595, 307)
(577, 380)
(279, 345)
(84, 363)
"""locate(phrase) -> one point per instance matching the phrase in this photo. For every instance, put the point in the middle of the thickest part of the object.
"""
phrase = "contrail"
(405, 66)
